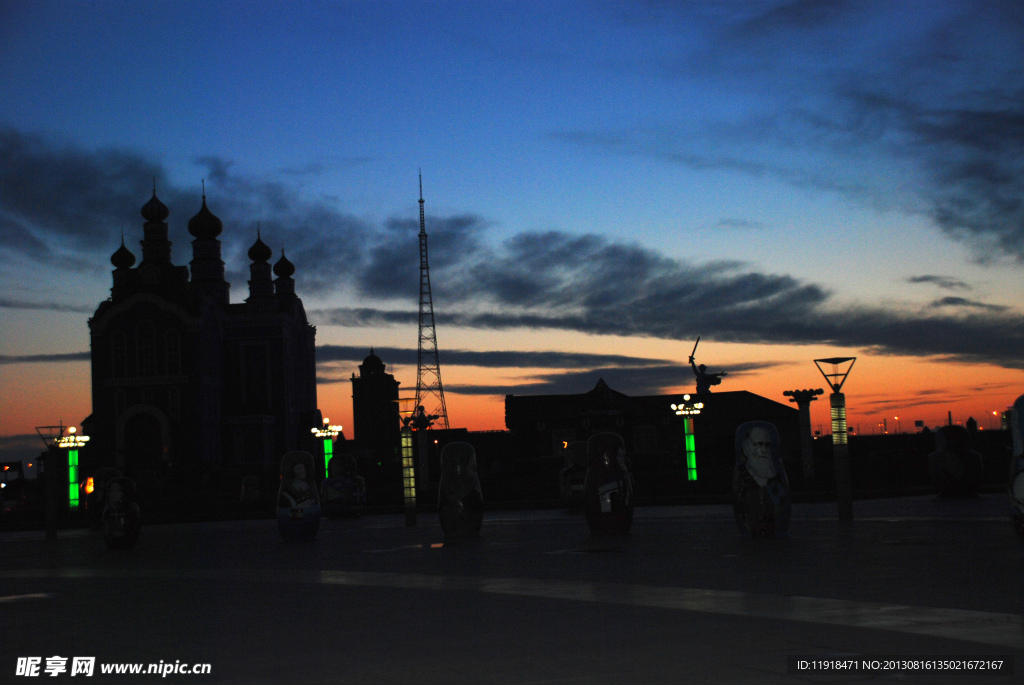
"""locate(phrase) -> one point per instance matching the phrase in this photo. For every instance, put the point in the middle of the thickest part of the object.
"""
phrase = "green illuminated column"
(691, 452)
(73, 478)
(408, 477)
(328, 433)
(328, 453)
(71, 442)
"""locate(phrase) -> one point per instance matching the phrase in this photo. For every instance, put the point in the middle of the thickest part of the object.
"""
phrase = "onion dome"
(154, 211)
(123, 257)
(204, 225)
(259, 252)
(284, 268)
(372, 364)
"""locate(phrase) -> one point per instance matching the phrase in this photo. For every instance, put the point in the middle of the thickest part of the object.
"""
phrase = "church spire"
(260, 283)
(207, 265)
(156, 248)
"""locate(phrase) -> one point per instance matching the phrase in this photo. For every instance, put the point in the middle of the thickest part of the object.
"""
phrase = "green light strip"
(328, 453)
(691, 450)
(73, 479)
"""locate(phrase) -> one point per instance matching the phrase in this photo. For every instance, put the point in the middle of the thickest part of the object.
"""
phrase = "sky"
(604, 182)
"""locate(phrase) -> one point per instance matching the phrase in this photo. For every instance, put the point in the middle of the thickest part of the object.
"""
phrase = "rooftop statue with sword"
(704, 380)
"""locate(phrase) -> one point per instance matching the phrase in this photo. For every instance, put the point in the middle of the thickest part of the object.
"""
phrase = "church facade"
(183, 377)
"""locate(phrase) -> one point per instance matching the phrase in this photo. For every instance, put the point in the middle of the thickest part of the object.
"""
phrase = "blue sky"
(786, 179)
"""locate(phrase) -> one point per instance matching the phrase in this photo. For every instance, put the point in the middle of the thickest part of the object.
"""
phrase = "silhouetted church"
(183, 377)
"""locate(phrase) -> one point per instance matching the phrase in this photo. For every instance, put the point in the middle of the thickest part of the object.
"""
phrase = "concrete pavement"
(536, 600)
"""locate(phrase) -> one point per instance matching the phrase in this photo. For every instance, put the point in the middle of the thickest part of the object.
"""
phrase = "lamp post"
(897, 424)
(688, 410)
(328, 433)
(71, 442)
(840, 448)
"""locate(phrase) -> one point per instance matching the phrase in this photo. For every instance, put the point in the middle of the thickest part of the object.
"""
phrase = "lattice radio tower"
(428, 367)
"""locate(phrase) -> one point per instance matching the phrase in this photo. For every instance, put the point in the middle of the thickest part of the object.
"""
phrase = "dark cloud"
(45, 358)
(578, 371)
(392, 264)
(6, 303)
(362, 317)
(543, 280)
(649, 379)
(57, 196)
(944, 282)
(490, 359)
(60, 199)
(964, 302)
(900, 106)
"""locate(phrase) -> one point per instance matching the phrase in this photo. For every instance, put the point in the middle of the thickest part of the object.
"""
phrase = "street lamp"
(688, 410)
(840, 448)
(71, 442)
(897, 424)
(328, 433)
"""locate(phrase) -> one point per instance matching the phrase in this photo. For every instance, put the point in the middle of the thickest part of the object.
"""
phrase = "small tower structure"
(429, 389)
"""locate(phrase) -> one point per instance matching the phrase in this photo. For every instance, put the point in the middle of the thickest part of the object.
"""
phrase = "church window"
(118, 355)
(146, 340)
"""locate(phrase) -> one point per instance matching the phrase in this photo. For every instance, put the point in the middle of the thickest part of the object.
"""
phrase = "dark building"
(655, 436)
(375, 409)
(181, 377)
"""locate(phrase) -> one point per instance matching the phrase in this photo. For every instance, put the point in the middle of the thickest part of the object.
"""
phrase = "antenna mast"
(428, 366)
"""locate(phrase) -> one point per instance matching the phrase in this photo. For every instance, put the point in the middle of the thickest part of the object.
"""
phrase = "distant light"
(71, 430)
(90, 485)
(687, 409)
(3, 485)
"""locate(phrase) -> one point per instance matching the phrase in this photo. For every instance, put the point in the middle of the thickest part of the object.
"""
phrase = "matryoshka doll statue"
(955, 468)
(121, 519)
(760, 489)
(460, 499)
(298, 503)
(1017, 467)
(608, 488)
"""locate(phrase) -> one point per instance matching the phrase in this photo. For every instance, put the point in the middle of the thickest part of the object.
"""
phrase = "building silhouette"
(542, 426)
(182, 377)
(375, 409)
